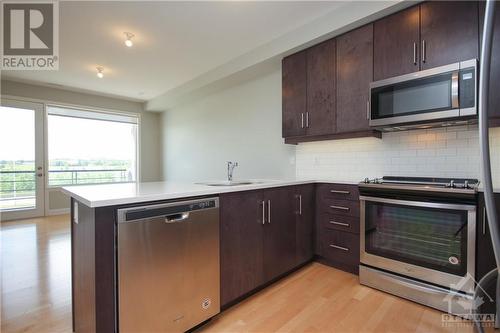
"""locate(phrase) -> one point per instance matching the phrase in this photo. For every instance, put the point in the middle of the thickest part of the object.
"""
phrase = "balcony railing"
(20, 186)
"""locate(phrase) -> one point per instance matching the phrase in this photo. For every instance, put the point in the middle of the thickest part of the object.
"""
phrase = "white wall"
(446, 152)
(241, 123)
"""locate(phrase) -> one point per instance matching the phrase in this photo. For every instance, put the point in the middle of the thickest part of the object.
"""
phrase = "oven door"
(432, 242)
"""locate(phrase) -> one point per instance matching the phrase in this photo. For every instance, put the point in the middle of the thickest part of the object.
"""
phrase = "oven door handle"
(419, 203)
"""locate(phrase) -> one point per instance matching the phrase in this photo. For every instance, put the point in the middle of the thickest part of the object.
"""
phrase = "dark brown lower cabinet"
(304, 217)
(258, 239)
(485, 259)
(241, 245)
(337, 226)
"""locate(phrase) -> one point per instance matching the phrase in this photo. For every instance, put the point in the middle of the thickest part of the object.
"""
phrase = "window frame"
(48, 104)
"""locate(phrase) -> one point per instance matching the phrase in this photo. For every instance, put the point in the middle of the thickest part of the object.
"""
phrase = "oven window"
(427, 237)
(412, 97)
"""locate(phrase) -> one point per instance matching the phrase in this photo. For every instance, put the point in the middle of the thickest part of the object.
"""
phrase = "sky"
(68, 138)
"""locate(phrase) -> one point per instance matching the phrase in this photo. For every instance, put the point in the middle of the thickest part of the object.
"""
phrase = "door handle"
(454, 90)
(176, 217)
(340, 223)
(339, 247)
(302, 120)
(340, 192)
(414, 53)
(340, 207)
(269, 211)
(423, 50)
(484, 220)
(263, 212)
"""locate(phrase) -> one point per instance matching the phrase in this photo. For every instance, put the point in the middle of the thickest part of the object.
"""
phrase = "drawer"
(339, 207)
(341, 247)
(340, 222)
(338, 191)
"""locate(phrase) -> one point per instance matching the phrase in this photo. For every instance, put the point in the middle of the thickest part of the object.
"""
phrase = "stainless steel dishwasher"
(168, 265)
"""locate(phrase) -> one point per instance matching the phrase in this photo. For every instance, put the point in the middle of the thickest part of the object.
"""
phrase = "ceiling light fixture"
(100, 71)
(128, 40)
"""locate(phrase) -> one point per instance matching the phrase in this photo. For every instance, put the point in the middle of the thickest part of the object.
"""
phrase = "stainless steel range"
(418, 239)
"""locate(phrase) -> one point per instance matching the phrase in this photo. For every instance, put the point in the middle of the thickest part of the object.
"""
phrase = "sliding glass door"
(21, 160)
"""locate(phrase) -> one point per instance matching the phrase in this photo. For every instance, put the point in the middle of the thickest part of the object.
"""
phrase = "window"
(89, 147)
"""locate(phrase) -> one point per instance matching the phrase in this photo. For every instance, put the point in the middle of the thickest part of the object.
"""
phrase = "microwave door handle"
(454, 90)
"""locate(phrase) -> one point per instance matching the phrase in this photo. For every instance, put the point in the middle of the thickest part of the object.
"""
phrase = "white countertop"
(119, 194)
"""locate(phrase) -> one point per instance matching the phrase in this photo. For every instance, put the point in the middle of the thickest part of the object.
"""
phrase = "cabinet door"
(485, 259)
(449, 32)
(279, 232)
(320, 116)
(241, 246)
(494, 99)
(354, 74)
(484, 256)
(294, 85)
(395, 37)
(304, 196)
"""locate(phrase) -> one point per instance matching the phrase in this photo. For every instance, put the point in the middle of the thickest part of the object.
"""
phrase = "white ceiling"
(174, 43)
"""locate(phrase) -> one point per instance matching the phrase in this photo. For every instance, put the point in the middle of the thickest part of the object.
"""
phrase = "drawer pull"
(340, 192)
(339, 247)
(340, 223)
(340, 207)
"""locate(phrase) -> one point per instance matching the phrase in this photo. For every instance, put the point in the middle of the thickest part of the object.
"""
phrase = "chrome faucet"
(230, 169)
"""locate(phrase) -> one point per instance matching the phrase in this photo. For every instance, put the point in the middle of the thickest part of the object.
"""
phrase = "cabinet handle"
(340, 192)
(484, 220)
(307, 119)
(368, 110)
(340, 207)
(300, 204)
(263, 212)
(269, 211)
(339, 247)
(340, 223)
(423, 50)
(302, 120)
(414, 53)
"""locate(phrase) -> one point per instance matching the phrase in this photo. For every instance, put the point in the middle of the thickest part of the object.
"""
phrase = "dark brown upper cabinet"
(294, 94)
(429, 35)
(354, 74)
(320, 112)
(494, 98)
(396, 40)
(448, 32)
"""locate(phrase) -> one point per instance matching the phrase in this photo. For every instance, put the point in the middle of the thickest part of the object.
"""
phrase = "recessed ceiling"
(174, 42)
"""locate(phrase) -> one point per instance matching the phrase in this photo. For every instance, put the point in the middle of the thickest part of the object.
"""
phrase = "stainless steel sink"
(229, 183)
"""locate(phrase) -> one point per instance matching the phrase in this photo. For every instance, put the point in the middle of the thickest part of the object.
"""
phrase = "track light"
(128, 40)
(100, 71)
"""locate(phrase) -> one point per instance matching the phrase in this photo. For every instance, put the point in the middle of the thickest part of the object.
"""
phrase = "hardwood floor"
(36, 294)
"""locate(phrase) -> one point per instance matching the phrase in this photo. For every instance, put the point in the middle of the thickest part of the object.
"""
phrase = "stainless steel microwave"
(441, 95)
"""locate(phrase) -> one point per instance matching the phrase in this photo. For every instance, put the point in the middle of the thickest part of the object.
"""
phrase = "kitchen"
(355, 198)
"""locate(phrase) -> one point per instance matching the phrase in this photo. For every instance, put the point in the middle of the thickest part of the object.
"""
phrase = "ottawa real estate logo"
(30, 35)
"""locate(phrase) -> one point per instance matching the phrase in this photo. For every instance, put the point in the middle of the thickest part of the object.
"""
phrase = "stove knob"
(452, 183)
(367, 180)
(466, 184)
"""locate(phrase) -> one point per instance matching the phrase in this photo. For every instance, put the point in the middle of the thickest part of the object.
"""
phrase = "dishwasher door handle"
(176, 217)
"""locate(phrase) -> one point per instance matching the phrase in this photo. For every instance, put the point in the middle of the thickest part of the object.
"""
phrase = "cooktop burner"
(449, 184)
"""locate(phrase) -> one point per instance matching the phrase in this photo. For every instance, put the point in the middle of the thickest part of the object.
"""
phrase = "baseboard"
(60, 211)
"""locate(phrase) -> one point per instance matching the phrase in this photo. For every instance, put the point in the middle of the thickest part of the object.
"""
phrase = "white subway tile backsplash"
(442, 152)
